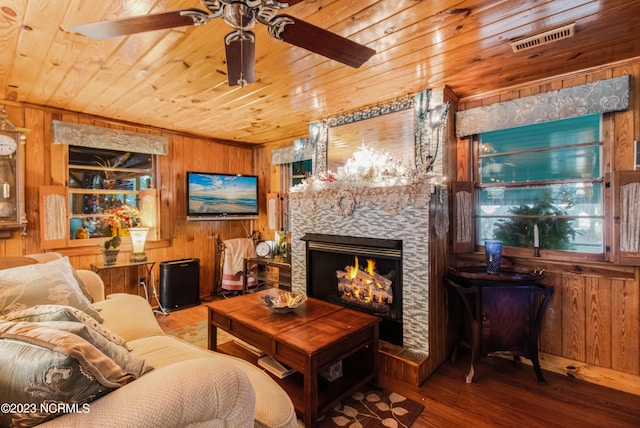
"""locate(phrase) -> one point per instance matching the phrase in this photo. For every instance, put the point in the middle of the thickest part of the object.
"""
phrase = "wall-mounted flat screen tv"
(215, 196)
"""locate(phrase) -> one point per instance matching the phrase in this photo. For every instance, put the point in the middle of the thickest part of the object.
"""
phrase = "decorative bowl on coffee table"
(284, 302)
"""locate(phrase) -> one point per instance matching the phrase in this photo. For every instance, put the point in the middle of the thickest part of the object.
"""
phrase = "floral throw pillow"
(51, 283)
(58, 362)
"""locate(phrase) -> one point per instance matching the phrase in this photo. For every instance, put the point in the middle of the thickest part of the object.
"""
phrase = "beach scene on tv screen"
(211, 194)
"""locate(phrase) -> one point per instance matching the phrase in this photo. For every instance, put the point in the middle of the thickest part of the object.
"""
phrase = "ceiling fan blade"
(320, 41)
(241, 57)
(139, 24)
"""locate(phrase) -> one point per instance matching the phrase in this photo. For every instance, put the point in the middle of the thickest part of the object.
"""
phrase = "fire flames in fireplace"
(365, 288)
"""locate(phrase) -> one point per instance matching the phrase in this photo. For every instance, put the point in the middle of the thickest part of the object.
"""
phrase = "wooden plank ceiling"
(176, 79)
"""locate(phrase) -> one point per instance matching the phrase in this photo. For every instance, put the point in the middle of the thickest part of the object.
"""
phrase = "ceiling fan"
(241, 15)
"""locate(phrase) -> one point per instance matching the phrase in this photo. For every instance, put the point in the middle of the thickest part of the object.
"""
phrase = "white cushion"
(129, 315)
(273, 406)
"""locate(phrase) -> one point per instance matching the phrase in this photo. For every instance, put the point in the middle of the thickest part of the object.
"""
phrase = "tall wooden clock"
(11, 177)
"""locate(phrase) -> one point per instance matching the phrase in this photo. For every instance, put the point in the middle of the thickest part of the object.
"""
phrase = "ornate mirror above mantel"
(386, 128)
(408, 128)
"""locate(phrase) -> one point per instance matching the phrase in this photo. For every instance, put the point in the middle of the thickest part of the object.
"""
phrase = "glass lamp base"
(138, 257)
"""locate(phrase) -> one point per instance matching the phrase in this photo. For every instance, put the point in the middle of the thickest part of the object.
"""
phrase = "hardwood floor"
(502, 394)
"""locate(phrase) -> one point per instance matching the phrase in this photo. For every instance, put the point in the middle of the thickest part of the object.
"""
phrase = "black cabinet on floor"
(180, 284)
(503, 311)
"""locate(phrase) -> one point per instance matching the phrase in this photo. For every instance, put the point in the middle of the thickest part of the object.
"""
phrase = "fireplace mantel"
(345, 198)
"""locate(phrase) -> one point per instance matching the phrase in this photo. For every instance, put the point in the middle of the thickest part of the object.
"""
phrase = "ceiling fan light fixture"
(239, 16)
(248, 3)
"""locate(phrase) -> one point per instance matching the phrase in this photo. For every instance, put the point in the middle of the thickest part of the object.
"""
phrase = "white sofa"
(188, 386)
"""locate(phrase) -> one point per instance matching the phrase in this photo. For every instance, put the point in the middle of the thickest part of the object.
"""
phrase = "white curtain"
(629, 218)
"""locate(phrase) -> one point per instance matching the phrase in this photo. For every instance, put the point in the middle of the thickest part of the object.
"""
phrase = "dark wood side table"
(141, 280)
(504, 310)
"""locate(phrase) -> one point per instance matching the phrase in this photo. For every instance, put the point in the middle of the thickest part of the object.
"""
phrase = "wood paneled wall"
(46, 165)
(591, 329)
(592, 326)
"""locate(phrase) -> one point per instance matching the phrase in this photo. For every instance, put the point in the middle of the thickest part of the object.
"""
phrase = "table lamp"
(138, 238)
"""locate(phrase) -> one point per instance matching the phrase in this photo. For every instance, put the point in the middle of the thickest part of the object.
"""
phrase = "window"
(293, 174)
(548, 174)
(105, 188)
(298, 171)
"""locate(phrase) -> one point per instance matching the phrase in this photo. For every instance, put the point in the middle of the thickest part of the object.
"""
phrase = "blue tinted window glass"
(547, 174)
(581, 162)
(558, 133)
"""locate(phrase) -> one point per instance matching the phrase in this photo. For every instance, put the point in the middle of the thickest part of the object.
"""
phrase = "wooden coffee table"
(314, 336)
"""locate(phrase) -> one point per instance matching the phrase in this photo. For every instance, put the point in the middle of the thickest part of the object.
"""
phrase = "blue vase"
(493, 255)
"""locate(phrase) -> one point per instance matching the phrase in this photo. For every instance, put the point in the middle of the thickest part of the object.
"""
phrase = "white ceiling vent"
(544, 38)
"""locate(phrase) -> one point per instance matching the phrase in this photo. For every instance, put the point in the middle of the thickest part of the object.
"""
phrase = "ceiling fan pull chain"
(242, 81)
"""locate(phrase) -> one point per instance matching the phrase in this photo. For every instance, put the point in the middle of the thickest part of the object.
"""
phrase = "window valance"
(603, 96)
(302, 149)
(106, 138)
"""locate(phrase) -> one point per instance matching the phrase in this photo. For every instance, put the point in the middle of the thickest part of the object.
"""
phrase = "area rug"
(369, 408)
(198, 334)
(372, 408)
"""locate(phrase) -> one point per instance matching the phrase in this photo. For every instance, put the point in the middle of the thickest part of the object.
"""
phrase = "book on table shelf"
(275, 367)
(250, 348)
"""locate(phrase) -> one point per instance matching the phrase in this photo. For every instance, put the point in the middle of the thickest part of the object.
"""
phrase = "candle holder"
(536, 252)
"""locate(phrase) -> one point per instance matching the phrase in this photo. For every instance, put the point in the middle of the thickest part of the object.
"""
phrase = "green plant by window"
(556, 231)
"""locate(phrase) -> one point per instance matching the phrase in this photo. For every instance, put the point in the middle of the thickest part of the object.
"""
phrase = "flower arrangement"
(123, 216)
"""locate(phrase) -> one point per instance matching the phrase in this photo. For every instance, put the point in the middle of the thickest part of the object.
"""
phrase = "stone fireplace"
(394, 213)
